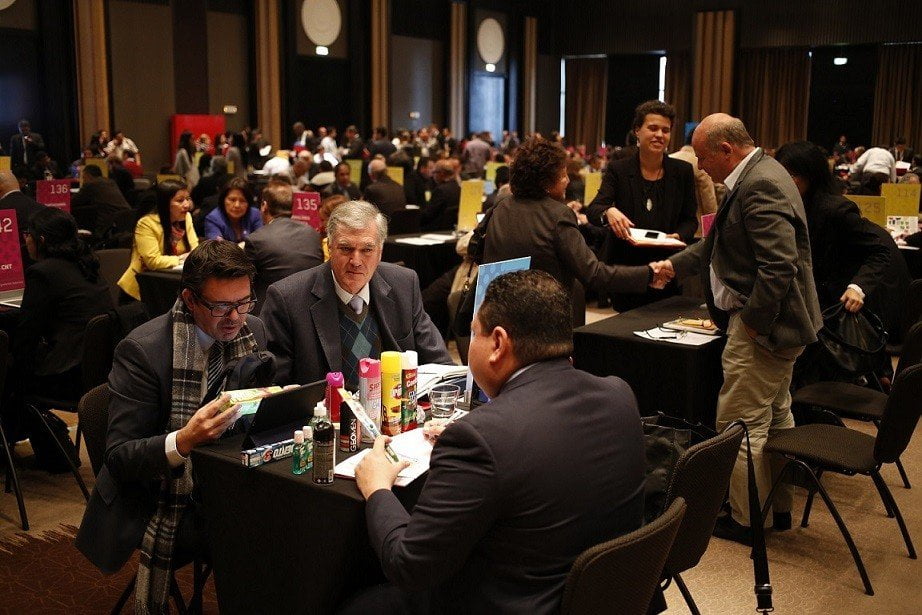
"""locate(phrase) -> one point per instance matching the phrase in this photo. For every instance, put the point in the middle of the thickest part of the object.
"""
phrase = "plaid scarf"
(155, 565)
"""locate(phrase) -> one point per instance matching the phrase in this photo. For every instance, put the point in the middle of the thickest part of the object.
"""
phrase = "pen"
(359, 412)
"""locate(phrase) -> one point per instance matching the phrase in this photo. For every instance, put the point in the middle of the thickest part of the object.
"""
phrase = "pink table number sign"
(707, 221)
(305, 208)
(53, 193)
(11, 274)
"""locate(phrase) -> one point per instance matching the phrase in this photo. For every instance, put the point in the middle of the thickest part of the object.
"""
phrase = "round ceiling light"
(321, 20)
(491, 43)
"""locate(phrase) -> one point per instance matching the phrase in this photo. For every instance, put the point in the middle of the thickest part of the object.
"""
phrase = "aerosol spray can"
(334, 381)
(391, 393)
(349, 430)
(408, 373)
(370, 393)
(324, 454)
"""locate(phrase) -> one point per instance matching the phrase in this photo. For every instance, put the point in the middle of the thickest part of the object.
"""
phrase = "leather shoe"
(781, 521)
(728, 529)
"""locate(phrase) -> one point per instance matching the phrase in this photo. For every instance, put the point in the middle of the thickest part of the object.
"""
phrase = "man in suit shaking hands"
(518, 488)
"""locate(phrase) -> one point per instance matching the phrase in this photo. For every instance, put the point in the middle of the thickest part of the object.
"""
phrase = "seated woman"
(63, 292)
(163, 238)
(235, 217)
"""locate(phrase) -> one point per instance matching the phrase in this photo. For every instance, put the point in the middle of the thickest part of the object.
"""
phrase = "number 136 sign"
(53, 193)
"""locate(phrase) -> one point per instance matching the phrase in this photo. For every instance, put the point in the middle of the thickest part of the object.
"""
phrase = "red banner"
(53, 193)
(305, 208)
(11, 276)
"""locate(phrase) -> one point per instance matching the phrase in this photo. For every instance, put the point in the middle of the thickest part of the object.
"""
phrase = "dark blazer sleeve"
(277, 320)
(438, 203)
(135, 441)
(36, 315)
(457, 506)
(852, 230)
(605, 197)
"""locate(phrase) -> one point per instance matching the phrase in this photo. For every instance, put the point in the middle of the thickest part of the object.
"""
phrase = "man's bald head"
(377, 169)
(8, 183)
(721, 142)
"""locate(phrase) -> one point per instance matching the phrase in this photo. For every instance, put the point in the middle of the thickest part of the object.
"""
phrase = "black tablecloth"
(678, 380)
(280, 543)
(159, 290)
(429, 262)
(913, 262)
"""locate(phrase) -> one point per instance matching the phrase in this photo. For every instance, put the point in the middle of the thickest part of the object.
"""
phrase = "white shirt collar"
(734, 175)
(345, 296)
(519, 372)
(204, 340)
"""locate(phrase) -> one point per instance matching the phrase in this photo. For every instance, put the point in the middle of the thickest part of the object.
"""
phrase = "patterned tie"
(215, 363)
(357, 304)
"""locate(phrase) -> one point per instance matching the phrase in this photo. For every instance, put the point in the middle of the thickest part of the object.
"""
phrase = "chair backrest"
(404, 221)
(103, 333)
(913, 307)
(454, 301)
(701, 477)
(621, 575)
(900, 416)
(911, 352)
(93, 413)
(112, 264)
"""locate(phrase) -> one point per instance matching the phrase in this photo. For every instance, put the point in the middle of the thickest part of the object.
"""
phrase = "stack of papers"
(685, 338)
(410, 445)
(429, 239)
(431, 374)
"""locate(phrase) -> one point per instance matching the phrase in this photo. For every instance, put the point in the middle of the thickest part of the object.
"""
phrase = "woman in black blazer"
(649, 190)
(63, 292)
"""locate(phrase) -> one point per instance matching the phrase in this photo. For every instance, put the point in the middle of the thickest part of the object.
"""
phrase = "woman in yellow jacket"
(162, 238)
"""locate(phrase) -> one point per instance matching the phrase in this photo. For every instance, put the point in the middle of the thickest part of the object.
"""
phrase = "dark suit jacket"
(302, 318)
(387, 195)
(279, 249)
(623, 187)
(25, 207)
(18, 149)
(97, 204)
(516, 490)
(351, 191)
(441, 214)
(56, 305)
(546, 230)
(128, 485)
(761, 250)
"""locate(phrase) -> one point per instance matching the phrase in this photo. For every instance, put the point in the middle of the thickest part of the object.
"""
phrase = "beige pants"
(756, 389)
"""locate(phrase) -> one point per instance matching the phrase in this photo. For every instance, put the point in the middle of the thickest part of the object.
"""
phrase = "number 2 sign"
(11, 275)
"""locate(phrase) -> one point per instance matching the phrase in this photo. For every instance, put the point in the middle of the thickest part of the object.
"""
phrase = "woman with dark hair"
(183, 165)
(63, 292)
(98, 143)
(238, 145)
(162, 238)
(235, 217)
(534, 221)
(648, 190)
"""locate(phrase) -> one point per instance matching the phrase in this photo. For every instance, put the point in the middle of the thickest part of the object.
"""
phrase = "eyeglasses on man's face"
(223, 310)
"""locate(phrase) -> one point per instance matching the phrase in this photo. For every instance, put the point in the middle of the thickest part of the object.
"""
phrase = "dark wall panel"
(631, 80)
(228, 62)
(190, 74)
(19, 84)
(547, 94)
(842, 97)
(421, 18)
(417, 82)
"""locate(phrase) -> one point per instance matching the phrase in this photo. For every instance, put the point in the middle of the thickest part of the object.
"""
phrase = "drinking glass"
(443, 398)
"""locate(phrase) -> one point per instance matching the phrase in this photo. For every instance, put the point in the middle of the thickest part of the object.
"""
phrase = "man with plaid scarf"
(161, 374)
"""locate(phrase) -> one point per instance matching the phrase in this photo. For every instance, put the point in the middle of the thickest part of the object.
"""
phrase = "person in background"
(900, 152)
(282, 246)
(500, 519)
(329, 147)
(280, 163)
(98, 142)
(475, 156)
(132, 165)
(383, 192)
(120, 175)
(212, 183)
(876, 166)
(324, 176)
(24, 145)
(11, 197)
(162, 238)
(343, 184)
(121, 144)
(182, 165)
(235, 217)
(576, 187)
(705, 195)
(98, 202)
(441, 214)
(327, 205)
(354, 147)
(379, 144)
(235, 156)
(502, 187)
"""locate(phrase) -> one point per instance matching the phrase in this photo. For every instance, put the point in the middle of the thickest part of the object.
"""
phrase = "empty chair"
(112, 264)
(621, 575)
(819, 448)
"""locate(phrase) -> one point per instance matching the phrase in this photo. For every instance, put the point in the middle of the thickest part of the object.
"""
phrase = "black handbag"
(853, 340)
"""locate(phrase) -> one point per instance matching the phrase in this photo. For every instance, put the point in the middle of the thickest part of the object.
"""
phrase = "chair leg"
(687, 595)
(200, 573)
(805, 520)
(123, 599)
(70, 462)
(899, 467)
(11, 474)
(844, 530)
(787, 469)
(177, 596)
(77, 435)
(883, 498)
(885, 491)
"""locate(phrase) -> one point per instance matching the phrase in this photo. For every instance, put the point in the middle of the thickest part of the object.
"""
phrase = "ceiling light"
(840, 61)
(323, 51)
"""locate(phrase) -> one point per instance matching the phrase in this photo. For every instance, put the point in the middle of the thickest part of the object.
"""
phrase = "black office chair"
(621, 575)
(701, 477)
(112, 264)
(912, 313)
(404, 221)
(819, 448)
(11, 477)
(844, 399)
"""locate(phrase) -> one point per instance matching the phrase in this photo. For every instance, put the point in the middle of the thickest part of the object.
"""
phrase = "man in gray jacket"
(757, 273)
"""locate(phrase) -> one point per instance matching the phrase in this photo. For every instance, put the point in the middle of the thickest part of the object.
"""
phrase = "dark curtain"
(773, 94)
(587, 85)
(678, 94)
(898, 96)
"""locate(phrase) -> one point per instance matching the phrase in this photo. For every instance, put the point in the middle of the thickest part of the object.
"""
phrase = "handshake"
(662, 273)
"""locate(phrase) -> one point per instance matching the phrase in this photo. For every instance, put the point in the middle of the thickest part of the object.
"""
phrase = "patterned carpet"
(44, 573)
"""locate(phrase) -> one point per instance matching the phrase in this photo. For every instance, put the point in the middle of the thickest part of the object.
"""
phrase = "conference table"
(279, 542)
(666, 377)
(913, 258)
(429, 258)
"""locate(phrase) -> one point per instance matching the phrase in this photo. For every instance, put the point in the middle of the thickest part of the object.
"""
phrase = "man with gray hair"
(756, 268)
(352, 307)
(383, 192)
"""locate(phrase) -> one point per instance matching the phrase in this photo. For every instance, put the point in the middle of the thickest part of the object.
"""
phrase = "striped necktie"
(215, 364)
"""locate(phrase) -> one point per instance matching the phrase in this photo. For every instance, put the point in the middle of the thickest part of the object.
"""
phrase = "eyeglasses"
(222, 310)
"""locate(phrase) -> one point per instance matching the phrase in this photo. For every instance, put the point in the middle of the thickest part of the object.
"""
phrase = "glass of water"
(443, 398)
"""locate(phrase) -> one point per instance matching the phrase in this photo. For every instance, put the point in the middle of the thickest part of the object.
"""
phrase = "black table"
(913, 261)
(679, 380)
(280, 543)
(159, 290)
(429, 262)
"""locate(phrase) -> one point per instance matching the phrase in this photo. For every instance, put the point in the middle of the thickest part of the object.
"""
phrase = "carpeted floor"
(812, 570)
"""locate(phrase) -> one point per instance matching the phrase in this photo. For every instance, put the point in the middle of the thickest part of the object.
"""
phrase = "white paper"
(438, 237)
(430, 374)
(410, 445)
(686, 338)
(418, 241)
